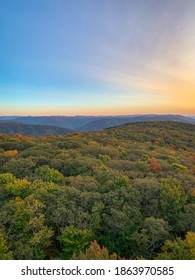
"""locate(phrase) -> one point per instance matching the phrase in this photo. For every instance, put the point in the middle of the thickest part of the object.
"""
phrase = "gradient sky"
(90, 57)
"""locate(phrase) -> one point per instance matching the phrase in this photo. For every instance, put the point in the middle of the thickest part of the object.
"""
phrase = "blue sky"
(92, 57)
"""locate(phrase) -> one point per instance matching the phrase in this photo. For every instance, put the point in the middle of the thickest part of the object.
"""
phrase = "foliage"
(179, 249)
(95, 252)
(48, 174)
(5, 254)
(172, 200)
(130, 188)
(11, 153)
(74, 240)
(154, 233)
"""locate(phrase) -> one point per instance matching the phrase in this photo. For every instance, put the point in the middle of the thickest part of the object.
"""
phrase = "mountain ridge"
(45, 125)
(88, 123)
(106, 123)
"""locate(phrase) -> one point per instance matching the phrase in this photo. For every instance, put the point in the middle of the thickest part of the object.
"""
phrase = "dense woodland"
(126, 192)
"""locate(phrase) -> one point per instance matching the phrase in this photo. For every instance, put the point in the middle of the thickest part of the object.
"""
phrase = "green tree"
(186, 220)
(121, 217)
(23, 222)
(152, 236)
(20, 167)
(5, 254)
(48, 174)
(20, 187)
(172, 200)
(149, 190)
(74, 240)
(6, 178)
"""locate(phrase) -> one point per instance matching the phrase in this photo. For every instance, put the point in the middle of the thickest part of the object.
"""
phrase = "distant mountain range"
(45, 125)
(115, 121)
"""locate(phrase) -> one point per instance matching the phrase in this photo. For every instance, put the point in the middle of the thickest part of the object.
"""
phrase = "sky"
(97, 57)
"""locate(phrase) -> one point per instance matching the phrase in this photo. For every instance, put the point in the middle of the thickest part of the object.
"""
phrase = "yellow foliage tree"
(11, 153)
(179, 249)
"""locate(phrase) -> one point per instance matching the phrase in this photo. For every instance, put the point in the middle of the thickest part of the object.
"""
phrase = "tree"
(149, 190)
(11, 153)
(48, 174)
(74, 240)
(95, 252)
(5, 254)
(186, 220)
(20, 167)
(80, 166)
(23, 223)
(121, 217)
(6, 178)
(20, 187)
(172, 200)
(179, 249)
(153, 234)
(154, 165)
(83, 183)
(72, 207)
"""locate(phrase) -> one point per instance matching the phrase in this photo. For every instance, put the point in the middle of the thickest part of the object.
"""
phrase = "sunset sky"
(97, 57)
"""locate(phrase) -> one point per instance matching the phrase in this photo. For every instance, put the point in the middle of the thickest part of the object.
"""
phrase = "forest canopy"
(126, 192)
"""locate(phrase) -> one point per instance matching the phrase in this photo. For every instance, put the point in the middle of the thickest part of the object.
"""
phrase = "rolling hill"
(10, 127)
(88, 123)
(116, 121)
(59, 121)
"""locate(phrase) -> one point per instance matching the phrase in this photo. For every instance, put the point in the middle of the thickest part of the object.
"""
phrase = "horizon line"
(99, 115)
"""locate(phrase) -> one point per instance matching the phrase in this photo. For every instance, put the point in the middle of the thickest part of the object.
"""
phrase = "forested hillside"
(11, 127)
(124, 192)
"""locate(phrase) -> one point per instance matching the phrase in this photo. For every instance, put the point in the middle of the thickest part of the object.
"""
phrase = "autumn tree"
(179, 249)
(95, 252)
